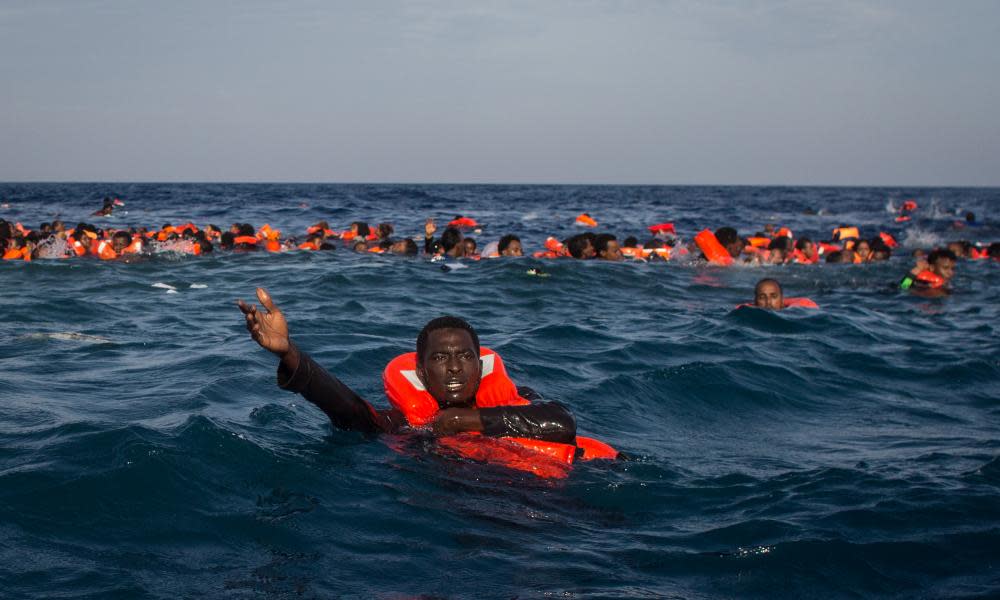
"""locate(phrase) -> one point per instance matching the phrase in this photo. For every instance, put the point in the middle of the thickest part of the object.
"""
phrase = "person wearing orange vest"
(930, 277)
(767, 294)
(447, 367)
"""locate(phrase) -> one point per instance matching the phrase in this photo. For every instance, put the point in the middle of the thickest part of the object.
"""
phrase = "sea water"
(146, 452)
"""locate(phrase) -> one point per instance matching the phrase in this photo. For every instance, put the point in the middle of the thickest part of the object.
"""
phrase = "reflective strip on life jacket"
(105, 251)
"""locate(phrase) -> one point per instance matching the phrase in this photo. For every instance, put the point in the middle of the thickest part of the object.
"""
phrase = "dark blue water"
(145, 451)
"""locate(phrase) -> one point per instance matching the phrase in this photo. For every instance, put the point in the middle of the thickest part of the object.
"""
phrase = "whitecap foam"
(165, 286)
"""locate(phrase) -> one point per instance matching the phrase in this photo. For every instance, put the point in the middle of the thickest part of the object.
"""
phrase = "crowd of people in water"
(772, 245)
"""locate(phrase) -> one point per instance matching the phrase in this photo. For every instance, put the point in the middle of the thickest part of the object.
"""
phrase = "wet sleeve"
(548, 421)
(342, 405)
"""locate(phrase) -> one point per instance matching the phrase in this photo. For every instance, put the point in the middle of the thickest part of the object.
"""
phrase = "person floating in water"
(768, 295)
(108, 208)
(930, 278)
(444, 379)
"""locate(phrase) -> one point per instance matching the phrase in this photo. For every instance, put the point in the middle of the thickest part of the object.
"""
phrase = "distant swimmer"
(108, 208)
(450, 385)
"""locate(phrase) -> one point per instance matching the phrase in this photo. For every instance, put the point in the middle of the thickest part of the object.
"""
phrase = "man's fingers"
(265, 300)
(246, 308)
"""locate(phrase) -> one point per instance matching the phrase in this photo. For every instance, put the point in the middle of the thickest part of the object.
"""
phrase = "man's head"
(470, 246)
(863, 249)
(451, 242)
(730, 240)
(448, 361)
(961, 249)
(580, 246)
(120, 240)
(607, 247)
(942, 262)
(768, 294)
(510, 245)
(405, 246)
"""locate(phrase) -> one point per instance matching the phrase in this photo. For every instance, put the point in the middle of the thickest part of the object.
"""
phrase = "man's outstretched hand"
(267, 328)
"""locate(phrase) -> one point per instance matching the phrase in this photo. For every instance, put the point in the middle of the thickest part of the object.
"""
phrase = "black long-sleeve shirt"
(548, 421)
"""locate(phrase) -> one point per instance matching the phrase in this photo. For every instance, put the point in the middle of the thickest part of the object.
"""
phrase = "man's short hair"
(940, 253)
(727, 236)
(505, 241)
(756, 288)
(445, 322)
(782, 243)
(450, 238)
(602, 240)
(576, 244)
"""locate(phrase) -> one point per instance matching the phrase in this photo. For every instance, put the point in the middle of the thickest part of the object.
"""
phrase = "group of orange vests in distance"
(113, 244)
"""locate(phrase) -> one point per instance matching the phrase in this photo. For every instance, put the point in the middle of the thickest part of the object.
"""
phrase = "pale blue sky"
(754, 92)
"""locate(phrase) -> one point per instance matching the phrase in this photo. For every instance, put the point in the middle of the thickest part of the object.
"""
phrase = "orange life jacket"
(799, 303)
(784, 232)
(843, 233)
(585, 219)
(663, 253)
(930, 279)
(713, 250)
(786, 303)
(105, 251)
(78, 248)
(245, 239)
(910, 205)
(978, 253)
(17, 254)
(902, 219)
(888, 239)
(135, 247)
(662, 228)
(759, 242)
(546, 459)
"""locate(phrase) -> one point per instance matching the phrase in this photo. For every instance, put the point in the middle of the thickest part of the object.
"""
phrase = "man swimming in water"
(768, 294)
(930, 277)
(447, 364)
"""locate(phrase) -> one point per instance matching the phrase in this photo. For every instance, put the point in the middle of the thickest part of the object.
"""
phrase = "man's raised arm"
(299, 373)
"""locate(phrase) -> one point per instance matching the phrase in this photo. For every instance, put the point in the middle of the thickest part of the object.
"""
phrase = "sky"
(811, 92)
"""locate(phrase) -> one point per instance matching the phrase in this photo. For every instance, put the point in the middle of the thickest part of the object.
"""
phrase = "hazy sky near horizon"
(837, 92)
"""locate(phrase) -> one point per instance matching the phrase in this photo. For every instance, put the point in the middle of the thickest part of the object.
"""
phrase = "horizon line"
(497, 183)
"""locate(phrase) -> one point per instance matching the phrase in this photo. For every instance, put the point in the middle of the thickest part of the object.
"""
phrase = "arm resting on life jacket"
(547, 421)
(299, 373)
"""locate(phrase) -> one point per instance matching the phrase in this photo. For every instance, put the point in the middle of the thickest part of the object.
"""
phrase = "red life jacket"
(467, 222)
(546, 459)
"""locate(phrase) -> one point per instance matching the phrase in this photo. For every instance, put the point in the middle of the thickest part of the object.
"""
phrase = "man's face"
(513, 249)
(450, 367)
(863, 250)
(945, 267)
(769, 296)
(612, 251)
(588, 250)
(398, 247)
(735, 249)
